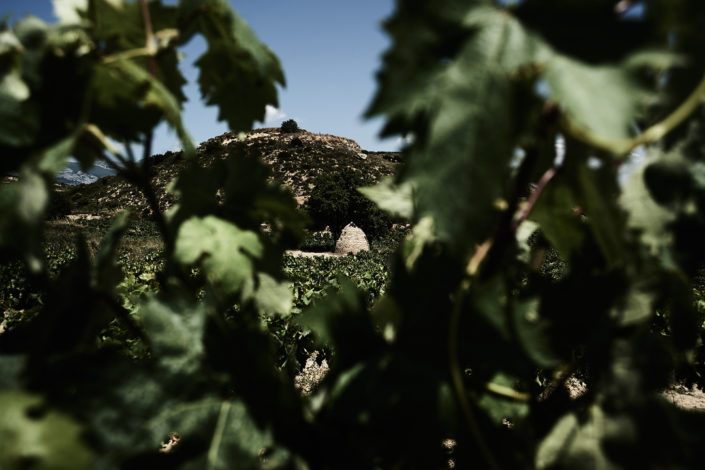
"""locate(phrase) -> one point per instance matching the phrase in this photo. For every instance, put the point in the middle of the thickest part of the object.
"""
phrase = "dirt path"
(313, 254)
(687, 399)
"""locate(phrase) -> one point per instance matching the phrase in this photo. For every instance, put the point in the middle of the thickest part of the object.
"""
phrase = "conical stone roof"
(352, 240)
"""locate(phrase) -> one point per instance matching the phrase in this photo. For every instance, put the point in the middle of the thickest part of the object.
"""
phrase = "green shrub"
(59, 205)
(318, 242)
(289, 127)
(335, 202)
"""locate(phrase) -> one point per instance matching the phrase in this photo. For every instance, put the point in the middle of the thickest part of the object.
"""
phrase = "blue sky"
(330, 51)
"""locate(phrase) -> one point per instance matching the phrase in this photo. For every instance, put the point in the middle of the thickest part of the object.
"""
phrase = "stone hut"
(351, 240)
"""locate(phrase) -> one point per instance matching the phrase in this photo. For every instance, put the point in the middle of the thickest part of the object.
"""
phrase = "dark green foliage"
(59, 205)
(289, 126)
(318, 242)
(335, 202)
(477, 326)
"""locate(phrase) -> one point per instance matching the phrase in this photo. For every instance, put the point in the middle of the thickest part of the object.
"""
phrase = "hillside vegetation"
(295, 160)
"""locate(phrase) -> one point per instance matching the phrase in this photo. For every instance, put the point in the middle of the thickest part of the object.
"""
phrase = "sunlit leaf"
(224, 251)
(270, 296)
(581, 90)
(396, 200)
(67, 10)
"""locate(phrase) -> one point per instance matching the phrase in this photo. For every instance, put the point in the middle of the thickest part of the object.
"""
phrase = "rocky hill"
(295, 158)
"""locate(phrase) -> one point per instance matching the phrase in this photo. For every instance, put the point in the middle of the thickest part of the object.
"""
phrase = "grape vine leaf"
(558, 221)
(532, 331)
(175, 330)
(232, 437)
(224, 251)
(22, 205)
(573, 443)
(583, 91)
(463, 102)
(117, 85)
(107, 274)
(37, 436)
(500, 408)
(393, 199)
(67, 11)
(18, 114)
(237, 73)
(53, 160)
(271, 296)
(12, 366)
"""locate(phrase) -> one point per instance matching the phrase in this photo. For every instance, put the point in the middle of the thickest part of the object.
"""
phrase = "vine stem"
(143, 176)
(131, 54)
(148, 36)
(218, 434)
(652, 134)
(543, 182)
(457, 376)
(507, 392)
(136, 176)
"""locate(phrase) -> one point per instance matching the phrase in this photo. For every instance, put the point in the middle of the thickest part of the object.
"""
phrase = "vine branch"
(131, 54)
(652, 134)
(507, 392)
(148, 36)
(543, 182)
(457, 376)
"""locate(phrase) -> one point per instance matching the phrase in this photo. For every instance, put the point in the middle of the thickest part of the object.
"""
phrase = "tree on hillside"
(335, 202)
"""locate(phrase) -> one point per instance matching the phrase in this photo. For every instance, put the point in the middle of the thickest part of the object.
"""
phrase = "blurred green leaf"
(555, 213)
(18, 115)
(598, 197)
(136, 84)
(175, 330)
(107, 273)
(533, 333)
(604, 99)
(396, 200)
(36, 436)
(575, 444)
(67, 10)
(500, 408)
(458, 99)
(11, 367)
(271, 296)
(339, 316)
(23, 203)
(9, 43)
(490, 300)
(648, 218)
(53, 160)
